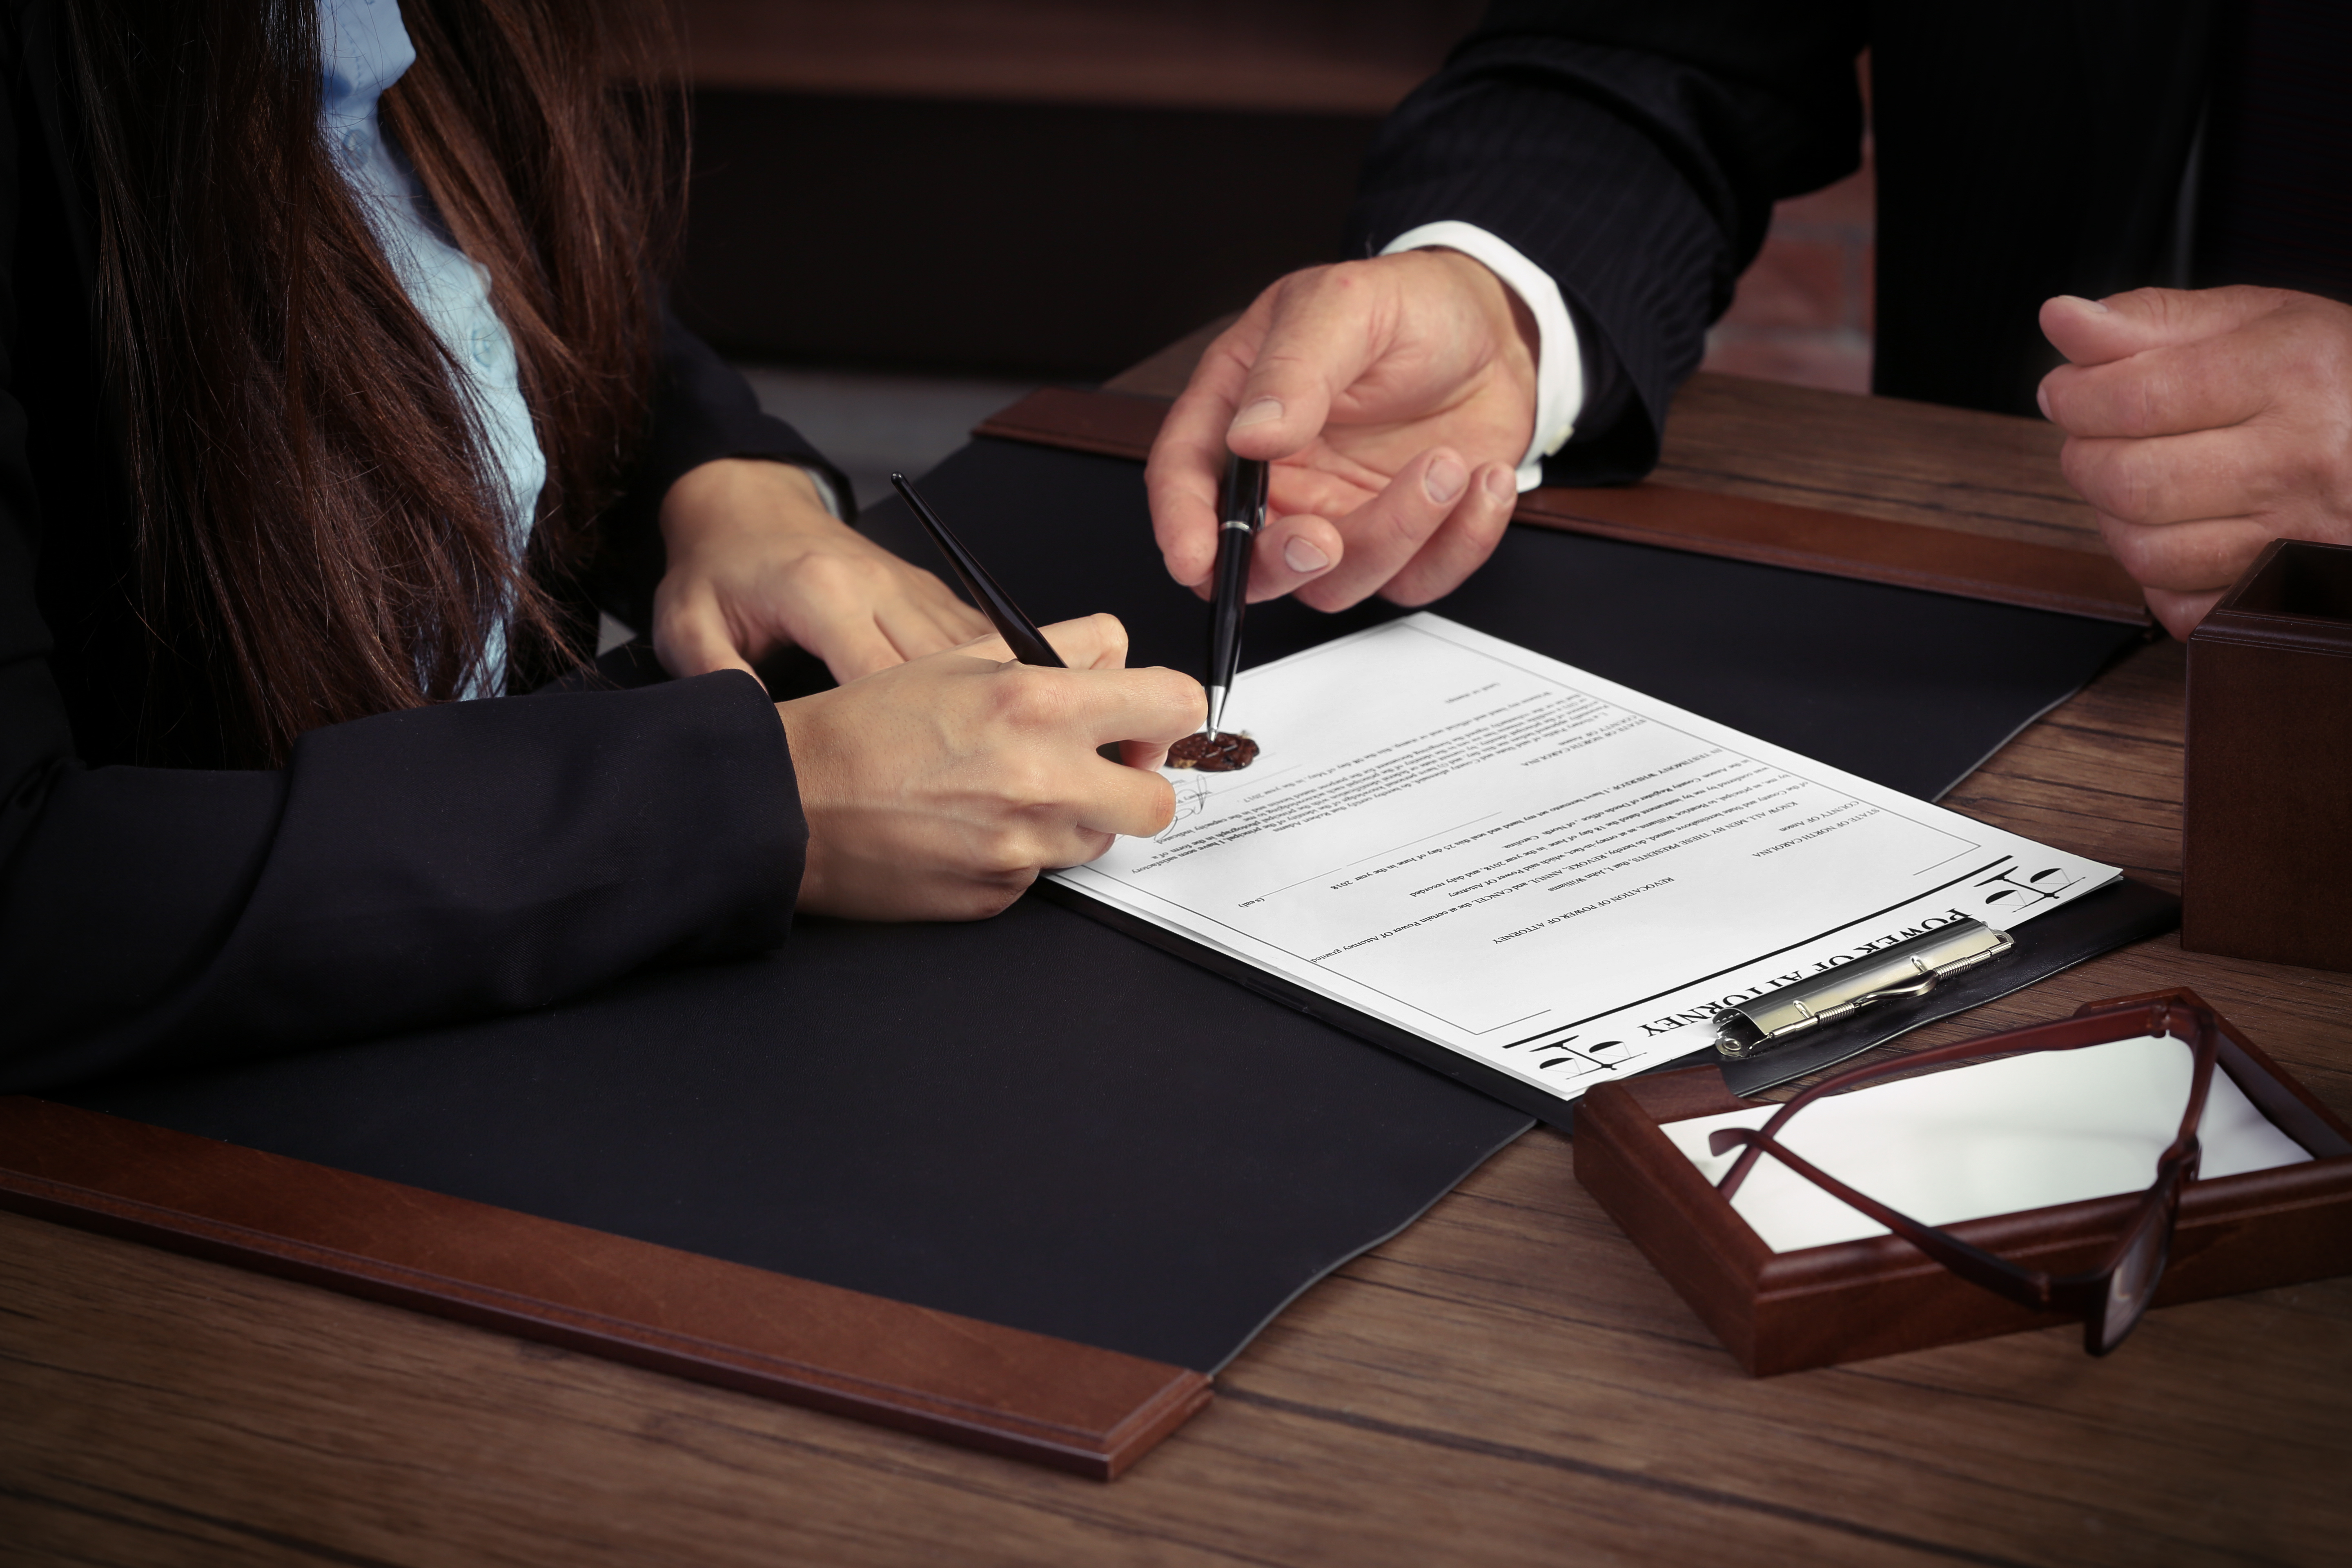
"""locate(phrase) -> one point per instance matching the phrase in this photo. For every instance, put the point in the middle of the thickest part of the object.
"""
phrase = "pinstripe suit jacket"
(1634, 148)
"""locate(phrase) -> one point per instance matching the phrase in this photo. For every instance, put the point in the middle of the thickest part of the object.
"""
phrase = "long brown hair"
(318, 532)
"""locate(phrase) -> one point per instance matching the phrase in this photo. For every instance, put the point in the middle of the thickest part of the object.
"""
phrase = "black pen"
(1019, 632)
(1241, 513)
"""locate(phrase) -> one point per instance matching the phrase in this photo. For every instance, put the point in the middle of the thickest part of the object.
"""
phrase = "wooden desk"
(1506, 1382)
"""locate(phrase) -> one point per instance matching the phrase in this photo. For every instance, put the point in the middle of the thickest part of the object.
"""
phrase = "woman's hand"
(940, 788)
(1393, 397)
(756, 562)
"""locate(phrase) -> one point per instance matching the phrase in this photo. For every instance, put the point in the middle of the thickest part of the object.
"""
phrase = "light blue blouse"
(364, 48)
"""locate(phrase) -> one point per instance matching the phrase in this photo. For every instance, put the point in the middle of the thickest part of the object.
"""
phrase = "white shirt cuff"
(1559, 361)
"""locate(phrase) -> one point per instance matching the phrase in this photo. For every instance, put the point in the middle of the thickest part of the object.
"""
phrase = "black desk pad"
(1036, 1120)
(1909, 689)
(1033, 1120)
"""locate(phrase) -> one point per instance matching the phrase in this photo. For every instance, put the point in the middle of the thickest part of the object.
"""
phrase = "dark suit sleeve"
(1634, 150)
(401, 871)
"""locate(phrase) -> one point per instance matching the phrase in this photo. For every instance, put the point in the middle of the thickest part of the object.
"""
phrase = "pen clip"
(1911, 967)
(1241, 499)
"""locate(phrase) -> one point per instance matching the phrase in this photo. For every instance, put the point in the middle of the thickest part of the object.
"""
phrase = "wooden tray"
(1783, 1312)
(1048, 1401)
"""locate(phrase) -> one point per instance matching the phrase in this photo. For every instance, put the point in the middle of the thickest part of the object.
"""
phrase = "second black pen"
(1019, 632)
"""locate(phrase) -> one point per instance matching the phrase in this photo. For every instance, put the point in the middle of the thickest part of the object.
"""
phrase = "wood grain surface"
(1907, 462)
(1506, 1382)
(1051, 1402)
(2011, 545)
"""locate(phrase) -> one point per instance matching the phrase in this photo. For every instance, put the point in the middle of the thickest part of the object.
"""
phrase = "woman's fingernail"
(2041, 400)
(1300, 553)
(2098, 305)
(1444, 481)
(1502, 484)
(1257, 413)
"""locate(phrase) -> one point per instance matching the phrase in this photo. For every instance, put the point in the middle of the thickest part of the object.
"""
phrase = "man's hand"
(756, 562)
(938, 789)
(1395, 397)
(2201, 426)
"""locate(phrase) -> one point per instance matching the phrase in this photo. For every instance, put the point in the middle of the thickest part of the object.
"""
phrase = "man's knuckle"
(2113, 483)
(2166, 307)
(1292, 284)
(1399, 530)
(1412, 589)
(2135, 547)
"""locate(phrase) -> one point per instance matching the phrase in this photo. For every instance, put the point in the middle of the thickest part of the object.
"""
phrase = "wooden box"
(1784, 1311)
(2266, 837)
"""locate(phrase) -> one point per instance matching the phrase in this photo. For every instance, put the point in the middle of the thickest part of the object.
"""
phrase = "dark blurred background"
(1038, 188)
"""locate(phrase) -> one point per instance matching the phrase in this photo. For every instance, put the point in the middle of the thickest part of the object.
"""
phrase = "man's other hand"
(2203, 425)
(1394, 397)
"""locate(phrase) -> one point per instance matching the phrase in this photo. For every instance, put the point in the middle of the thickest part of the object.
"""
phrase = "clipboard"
(1711, 544)
(2116, 916)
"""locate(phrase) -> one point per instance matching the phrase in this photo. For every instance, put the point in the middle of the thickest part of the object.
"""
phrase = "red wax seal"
(1218, 753)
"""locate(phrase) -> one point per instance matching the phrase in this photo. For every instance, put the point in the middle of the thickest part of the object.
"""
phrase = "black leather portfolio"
(1038, 1120)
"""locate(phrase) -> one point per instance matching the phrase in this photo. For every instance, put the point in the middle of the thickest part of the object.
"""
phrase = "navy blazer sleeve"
(1632, 148)
(400, 871)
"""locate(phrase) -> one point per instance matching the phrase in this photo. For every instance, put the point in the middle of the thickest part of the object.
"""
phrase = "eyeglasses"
(2110, 1300)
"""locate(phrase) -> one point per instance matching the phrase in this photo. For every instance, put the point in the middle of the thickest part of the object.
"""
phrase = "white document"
(2025, 1133)
(1544, 870)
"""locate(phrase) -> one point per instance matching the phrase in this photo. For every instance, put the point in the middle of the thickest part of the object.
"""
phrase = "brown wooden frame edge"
(1779, 1312)
(1006, 1391)
(1771, 533)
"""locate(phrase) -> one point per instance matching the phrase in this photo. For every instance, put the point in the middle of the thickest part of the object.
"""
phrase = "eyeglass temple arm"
(2158, 1017)
(2026, 1287)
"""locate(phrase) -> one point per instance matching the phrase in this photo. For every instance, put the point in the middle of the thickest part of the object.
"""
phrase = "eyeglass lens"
(2134, 1282)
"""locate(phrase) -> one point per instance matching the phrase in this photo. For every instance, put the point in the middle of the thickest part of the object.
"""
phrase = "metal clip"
(1911, 967)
